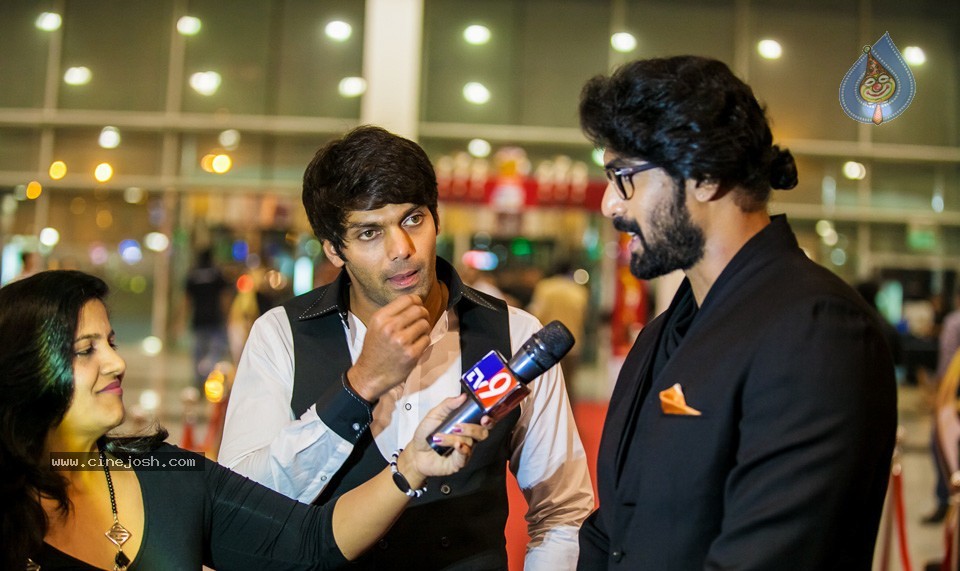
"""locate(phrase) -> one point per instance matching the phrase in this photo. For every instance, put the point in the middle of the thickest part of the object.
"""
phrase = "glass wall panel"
(236, 42)
(800, 89)
(534, 64)
(23, 65)
(934, 115)
(19, 149)
(138, 153)
(312, 64)
(664, 28)
(125, 44)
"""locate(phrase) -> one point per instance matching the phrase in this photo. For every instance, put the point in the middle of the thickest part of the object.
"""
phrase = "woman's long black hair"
(38, 324)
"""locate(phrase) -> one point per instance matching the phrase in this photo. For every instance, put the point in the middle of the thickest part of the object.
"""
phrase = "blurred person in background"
(559, 297)
(61, 378)
(753, 422)
(30, 263)
(205, 289)
(335, 379)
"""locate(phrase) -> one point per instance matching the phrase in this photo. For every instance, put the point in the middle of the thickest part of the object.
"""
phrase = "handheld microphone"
(496, 387)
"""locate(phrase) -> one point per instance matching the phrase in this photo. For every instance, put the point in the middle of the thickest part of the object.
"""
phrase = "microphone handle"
(471, 411)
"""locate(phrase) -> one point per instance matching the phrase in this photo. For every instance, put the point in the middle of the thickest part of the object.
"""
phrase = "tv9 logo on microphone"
(490, 379)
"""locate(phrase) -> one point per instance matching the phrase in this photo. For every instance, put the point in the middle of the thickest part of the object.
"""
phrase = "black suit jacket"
(787, 466)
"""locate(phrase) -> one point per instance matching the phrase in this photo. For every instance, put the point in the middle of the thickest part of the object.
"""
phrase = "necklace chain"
(117, 534)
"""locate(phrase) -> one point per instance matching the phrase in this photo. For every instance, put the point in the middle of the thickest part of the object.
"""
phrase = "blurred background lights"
(479, 148)
(33, 190)
(229, 139)
(623, 42)
(130, 251)
(581, 276)
(854, 170)
(138, 284)
(109, 137)
(151, 345)
(48, 21)
(156, 241)
(49, 237)
(149, 400)
(189, 25)
(221, 163)
(79, 75)
(99, 254)
(352, 86)
(824, 227)
(769, 49)
(245, 283)
(103, 172)
(313, 248)
(338, 30)
(476, 93)
(482, 260)
(58, 170)
(838, 256)
(20, 192)
(476, 34)
(206, 163)
(914, 55)
(239, 250)
(205, 82)
(133, 195)
(104, 219)
(597, 156)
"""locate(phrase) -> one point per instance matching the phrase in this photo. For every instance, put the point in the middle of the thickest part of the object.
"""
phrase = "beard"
(673, 242)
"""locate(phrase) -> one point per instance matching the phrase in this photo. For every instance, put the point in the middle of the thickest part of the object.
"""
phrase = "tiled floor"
(168, 374)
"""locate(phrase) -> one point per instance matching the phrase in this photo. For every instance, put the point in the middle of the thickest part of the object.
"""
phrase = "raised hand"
(397, 335)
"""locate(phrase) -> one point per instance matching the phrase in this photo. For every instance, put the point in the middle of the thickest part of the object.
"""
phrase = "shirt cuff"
(344, 411)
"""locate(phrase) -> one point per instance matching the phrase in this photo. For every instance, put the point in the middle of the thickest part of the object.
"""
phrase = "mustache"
(626, 225)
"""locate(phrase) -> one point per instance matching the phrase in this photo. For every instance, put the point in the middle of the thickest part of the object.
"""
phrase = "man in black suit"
(753, 422)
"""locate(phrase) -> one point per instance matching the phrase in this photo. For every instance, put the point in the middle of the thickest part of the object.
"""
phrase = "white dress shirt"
(297, 457)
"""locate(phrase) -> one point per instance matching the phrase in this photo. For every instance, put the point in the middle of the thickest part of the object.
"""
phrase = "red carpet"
(589, 417)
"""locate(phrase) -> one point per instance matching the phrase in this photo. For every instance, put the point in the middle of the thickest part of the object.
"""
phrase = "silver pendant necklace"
(117, 534)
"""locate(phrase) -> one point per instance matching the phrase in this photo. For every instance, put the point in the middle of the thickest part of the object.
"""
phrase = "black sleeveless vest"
(458, 523)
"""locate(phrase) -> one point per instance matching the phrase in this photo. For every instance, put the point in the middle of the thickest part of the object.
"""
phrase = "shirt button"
(445, 489)
(356, 426)
(323, 478)
(382, 544)
(408, 406)
(617, 556)
(444, 542)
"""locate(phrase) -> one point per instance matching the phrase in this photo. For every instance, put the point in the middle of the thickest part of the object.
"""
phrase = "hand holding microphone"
(494, 387)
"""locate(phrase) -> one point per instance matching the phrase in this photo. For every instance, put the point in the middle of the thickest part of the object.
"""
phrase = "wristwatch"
(401, 481)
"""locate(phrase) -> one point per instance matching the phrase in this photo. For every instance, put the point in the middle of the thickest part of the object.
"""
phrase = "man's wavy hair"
(366, 169)
(692, 117)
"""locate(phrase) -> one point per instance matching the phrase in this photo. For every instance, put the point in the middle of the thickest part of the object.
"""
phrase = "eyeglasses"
(617, 175)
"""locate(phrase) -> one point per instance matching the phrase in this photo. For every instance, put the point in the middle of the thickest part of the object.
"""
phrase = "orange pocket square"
(672, 402)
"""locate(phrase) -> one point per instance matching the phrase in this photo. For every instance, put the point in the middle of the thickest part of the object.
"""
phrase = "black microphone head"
(541, 351)
(557, 339)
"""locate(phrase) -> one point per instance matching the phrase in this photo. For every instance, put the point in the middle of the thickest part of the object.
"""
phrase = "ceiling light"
(476, 34)
(109, 138)
(49, 21)
(479, 148)
(338, 31)
(914, 55)
(623, 42)
(205, 82)
(769, 49)
(476, 93)
(58, 170)
(189, 25)
(352, 86)
(79, 75)
(854, 170)
(103, 172)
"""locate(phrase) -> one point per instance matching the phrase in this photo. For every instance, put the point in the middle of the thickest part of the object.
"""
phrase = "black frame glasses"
(616, 175)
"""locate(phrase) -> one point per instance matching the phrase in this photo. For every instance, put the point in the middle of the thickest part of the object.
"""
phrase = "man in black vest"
(332, 382)
(753, 422)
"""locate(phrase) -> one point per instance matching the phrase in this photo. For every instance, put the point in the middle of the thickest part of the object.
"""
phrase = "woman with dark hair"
(61, 381)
